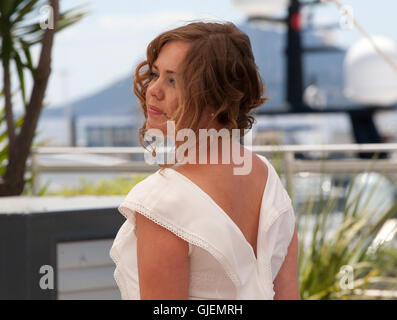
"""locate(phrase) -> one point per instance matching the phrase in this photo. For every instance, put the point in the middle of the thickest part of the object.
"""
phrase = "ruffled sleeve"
(146, 197)
(279, 237)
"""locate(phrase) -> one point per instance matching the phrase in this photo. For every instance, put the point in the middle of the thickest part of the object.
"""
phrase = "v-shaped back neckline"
(225, 215)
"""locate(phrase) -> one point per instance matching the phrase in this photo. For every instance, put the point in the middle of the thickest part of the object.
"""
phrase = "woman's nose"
(156, 90)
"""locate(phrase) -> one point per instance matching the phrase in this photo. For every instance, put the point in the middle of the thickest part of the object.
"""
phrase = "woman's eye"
(152, 74)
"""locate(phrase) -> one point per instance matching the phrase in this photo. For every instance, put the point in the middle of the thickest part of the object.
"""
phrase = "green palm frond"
(20, 30)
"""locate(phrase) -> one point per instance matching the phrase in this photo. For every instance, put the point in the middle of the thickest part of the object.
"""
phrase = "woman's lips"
(153, 110)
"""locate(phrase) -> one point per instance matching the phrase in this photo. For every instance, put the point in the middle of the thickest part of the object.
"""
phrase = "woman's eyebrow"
(168, 71)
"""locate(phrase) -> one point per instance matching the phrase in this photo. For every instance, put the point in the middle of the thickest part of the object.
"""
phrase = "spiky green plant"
(321, 263)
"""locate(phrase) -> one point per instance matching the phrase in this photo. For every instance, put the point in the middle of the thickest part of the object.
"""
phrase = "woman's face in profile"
(161, 94)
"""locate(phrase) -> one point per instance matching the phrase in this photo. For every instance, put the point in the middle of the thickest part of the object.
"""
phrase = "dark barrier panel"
(29, 240)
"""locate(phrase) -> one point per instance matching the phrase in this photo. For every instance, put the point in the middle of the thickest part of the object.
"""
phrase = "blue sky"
(105, 45)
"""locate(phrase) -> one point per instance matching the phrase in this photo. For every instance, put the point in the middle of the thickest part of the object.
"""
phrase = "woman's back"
(239, 196)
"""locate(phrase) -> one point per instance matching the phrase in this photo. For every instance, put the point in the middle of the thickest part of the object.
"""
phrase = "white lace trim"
(189, 237)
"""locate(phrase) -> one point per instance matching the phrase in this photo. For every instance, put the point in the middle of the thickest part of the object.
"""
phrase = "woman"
(198, 230)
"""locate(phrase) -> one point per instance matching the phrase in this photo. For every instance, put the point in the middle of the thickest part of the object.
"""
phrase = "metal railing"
(290, 165)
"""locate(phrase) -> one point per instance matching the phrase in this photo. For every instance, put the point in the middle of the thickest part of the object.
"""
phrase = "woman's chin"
(152, 125)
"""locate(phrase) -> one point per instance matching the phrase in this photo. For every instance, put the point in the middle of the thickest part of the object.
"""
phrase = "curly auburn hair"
(219, 72)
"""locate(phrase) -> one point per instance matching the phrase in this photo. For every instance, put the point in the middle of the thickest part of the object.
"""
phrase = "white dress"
(222, 262)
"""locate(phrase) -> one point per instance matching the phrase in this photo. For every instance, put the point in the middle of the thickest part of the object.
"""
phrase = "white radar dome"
(368, 78)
